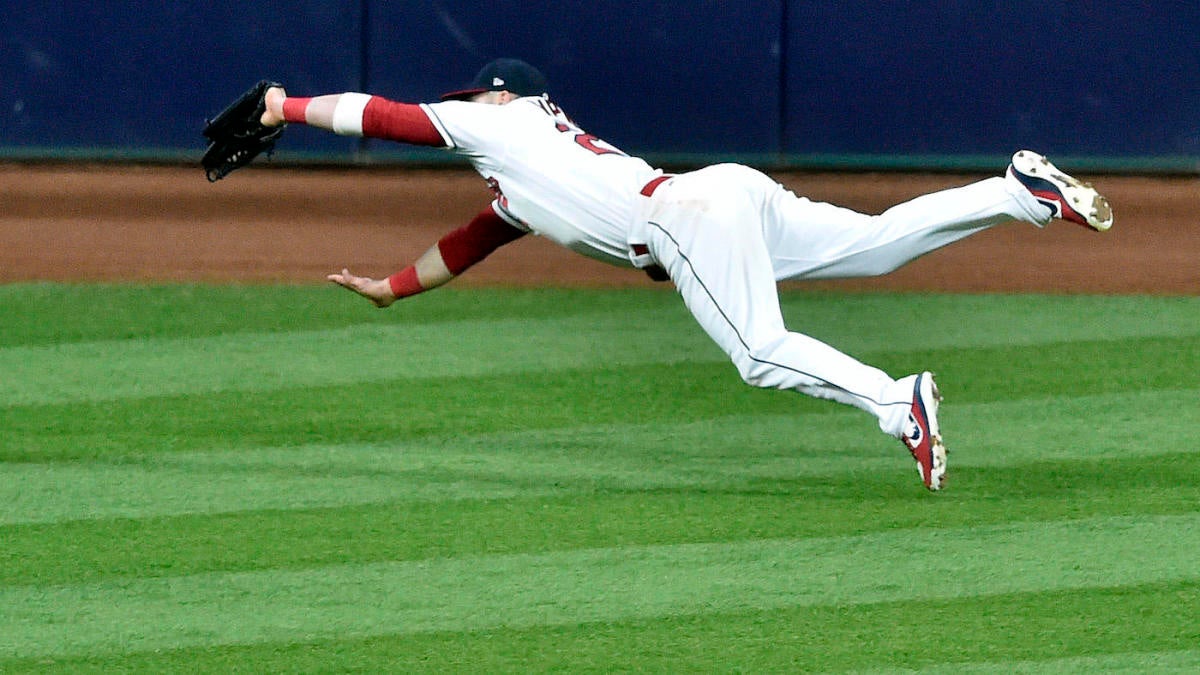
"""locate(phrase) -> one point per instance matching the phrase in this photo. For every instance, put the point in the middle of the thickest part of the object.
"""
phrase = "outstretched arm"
(374, 116)
(353, 114)
(448, 258)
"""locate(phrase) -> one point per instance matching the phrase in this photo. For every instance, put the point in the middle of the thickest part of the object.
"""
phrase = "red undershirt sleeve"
(403, 122)
(476, 240)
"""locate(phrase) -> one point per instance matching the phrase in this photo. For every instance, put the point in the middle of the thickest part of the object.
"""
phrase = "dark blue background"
(776, 80)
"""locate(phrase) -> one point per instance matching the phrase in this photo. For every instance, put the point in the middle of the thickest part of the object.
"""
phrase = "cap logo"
(497, 82)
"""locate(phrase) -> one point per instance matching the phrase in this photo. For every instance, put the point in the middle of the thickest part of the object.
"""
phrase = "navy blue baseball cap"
(512, 75)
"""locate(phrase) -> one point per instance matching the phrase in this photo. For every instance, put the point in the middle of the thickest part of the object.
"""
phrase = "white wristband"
(348, 114)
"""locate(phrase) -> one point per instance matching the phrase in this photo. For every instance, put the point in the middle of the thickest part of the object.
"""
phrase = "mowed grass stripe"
(382, 412)
(487, 466)
(56, 314)
(102, 371)
(712, 453)
(48, 313)
(413, 407)
(466, 594)
(739, 510)
(1138, 423)
(1184, 662)
(1081, 368)
(1075, 631)
(855, 639)
(135, 365)
(986, 320)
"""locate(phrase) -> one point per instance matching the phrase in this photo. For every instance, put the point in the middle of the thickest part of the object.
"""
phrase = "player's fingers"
(273, 107)
(360, 285)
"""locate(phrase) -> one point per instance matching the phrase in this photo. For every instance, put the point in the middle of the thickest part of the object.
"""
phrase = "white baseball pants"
(725, 234)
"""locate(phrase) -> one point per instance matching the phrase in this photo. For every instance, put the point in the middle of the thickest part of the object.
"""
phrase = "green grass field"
(284, 479)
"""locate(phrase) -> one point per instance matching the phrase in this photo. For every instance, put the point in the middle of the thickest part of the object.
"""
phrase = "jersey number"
(588, 141)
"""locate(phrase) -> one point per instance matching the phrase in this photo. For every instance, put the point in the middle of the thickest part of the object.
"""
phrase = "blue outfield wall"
(948, 78)
(837, 82)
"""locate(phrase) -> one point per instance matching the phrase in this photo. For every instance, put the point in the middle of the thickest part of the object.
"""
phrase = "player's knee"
(757, 369)
(755, 374)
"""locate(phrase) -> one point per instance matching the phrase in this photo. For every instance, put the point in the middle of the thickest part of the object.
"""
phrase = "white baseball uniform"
(725, 234)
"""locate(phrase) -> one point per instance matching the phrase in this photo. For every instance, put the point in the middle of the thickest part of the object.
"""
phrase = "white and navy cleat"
(1067, 197)
(923, 438)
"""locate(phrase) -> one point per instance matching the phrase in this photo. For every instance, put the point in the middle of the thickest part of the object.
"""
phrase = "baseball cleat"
(923, 437)
(1067, 197)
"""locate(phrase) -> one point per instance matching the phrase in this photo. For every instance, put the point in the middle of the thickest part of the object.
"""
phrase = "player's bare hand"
(378, 291)
(273, 102)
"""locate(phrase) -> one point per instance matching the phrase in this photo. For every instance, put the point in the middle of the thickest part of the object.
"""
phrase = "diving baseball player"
(724, 234)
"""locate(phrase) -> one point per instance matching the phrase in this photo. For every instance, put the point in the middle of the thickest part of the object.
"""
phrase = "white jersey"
(550, 177)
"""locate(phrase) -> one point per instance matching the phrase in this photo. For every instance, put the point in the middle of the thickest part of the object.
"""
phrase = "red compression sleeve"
(295, 109)
(404, 122)
(476, 240)
(405, 283)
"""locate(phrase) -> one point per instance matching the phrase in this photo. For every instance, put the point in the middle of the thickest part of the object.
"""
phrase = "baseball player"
(724, 234)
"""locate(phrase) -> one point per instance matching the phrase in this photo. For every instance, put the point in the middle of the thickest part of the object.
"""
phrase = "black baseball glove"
(237, 135)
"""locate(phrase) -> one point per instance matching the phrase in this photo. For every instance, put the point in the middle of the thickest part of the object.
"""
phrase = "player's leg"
(705, 232)
(814, 240)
